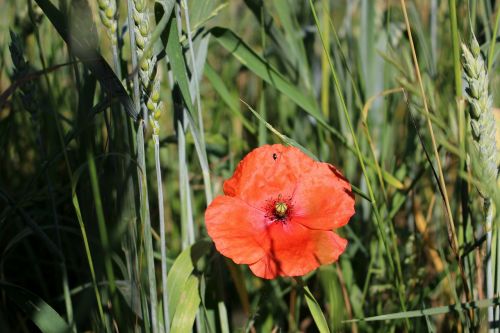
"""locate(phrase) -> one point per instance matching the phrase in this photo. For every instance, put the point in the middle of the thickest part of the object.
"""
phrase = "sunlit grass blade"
(181, 270)
(479, 304)
(316, 312)
(187, 307)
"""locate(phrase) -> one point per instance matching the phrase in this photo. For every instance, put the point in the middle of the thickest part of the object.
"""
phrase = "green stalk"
(325, 75)
(195, 74)
(163, 243)
(146, 227)
(493, 41)
(101, 222)
(457, 68)
(198, 133)
(262, 131)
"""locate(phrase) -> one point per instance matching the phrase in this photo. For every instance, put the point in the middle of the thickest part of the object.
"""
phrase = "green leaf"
(316, 311)
(481, 304)
(181, 271)
(42, 314)
(188, 306)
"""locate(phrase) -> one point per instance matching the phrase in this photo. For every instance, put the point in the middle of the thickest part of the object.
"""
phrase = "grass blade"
(41, 313)
(316, 312)
(264, 70)
(479, 304)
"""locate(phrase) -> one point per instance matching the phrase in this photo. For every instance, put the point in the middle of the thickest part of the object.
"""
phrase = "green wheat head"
(481, 115)
(147, 67)
(107, 13)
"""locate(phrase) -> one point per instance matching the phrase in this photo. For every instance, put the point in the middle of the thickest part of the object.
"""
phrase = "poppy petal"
(237, 229)
(323, 199)
(266, 172)
(296, 250)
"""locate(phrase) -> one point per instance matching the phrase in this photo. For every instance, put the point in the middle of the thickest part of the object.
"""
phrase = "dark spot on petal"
(275, 156)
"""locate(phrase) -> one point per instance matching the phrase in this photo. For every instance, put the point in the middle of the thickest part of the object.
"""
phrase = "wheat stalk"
(150, 84)
(483, 133)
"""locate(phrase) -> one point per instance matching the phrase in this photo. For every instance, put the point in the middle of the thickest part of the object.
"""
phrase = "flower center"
(280, 209)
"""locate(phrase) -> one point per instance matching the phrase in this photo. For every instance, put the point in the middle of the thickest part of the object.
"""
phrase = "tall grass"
(120, 120)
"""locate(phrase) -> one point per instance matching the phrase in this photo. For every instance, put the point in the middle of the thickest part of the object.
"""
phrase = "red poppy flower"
(278, 213)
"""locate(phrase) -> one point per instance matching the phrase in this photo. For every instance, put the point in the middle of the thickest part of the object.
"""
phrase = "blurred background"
(120, 120)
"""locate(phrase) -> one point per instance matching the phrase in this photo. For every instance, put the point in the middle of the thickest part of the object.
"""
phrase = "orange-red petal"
(267, 172)
(296, 250)
(237, 229)
(323, 198)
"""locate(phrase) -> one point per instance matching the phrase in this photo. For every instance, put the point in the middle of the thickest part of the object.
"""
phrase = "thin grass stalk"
(442, 184)
(187, 228)
(163, 243)
(485, 18)
(101, 222)
(456, 48)
(195, 74)
(495, 254)
(198, 134)
(433, 13)
(182, 123)
(378, 219)
(262, 130)
(493, 41)
(146, 228)
(364, 122)
(88, 254)
(325, 75)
